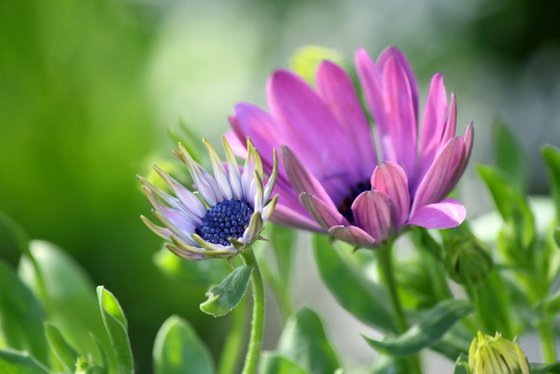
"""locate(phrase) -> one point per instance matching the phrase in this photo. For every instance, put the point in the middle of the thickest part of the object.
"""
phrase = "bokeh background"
(89, 89)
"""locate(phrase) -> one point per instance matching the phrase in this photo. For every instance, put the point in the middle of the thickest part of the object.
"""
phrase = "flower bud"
(497, 355)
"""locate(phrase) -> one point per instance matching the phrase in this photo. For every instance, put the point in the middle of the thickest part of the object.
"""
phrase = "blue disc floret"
(227, 219)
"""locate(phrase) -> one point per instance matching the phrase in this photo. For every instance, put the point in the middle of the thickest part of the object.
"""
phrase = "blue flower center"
(227, 219)
(345, 207)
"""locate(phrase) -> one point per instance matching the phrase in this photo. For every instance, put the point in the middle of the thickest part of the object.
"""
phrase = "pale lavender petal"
(391, 179)
(301, 178)
(374, 213)
(396, 54)
(219, 171)
(446, 214)
(233, 172)
(162, 232)
(254, 228)
(312, 132)
(187, 255)
(434, 122)
(353, 235)
(236, 145)
(191, 203)
(439, 179)
(205, 183)
(338, 93)
(400, 113)
(323, 213)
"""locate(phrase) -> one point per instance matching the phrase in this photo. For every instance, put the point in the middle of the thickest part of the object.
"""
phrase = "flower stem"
(547, 342)
(384, 255)
(229, 358)
(257, 322)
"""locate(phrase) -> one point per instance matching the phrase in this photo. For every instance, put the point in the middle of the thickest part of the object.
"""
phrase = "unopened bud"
(497, 355)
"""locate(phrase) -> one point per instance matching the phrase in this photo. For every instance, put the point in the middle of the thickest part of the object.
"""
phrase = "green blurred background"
(88, 90)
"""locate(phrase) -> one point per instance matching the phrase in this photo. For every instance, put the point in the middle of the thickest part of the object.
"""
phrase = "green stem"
(547, 341)
(384, 255)
(231, 352)
(257, 323)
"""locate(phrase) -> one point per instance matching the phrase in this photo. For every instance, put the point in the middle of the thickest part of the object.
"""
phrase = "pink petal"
(353, 235)
(451, 124)
(391, 179)
(441, 176)
(446, 214)
(396, 54)
(435, 117)
(322, 212)
(399, 107)
(337, 91)
(373, 212)
(302, 180)
(284, 215)
(311, 130)
(238, 148)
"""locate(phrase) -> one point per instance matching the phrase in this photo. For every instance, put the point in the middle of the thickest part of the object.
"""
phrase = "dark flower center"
(345, 207)
(224, 220)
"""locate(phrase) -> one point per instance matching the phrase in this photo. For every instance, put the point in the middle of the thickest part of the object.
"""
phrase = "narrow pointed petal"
(254, 228)
(272, 179)
(284, 215)
(401, 116)
(302, 180)
(451, 124)
(168, 199)
(353, 235)
(219, 172)
(396, 54)
(440, 177)
(253, 165)
(446, 214)
(391, 179)
(335, 87)
(162, 232)
(191, 203)
(184, 254)
(269, 208)
(257, 193)
(175, 219)
(214, 250)
(236, 145)
(373, 212)
(435, 118)
(233, 171)
(205, 183)
(322, 212)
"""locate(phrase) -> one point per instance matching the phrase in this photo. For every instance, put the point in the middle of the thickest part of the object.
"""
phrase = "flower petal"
(322, 212)
(435, 118)
(301, 178)
(205, 183)
(391, 179)
(253, 229)
(337, 91)
(284, 215)
(446, 214)
(233, 170)
(191, 203)
(353, 235)
(374, 213)
(219, 172)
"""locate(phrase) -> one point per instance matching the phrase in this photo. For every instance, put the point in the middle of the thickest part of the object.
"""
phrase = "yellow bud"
(496, 355)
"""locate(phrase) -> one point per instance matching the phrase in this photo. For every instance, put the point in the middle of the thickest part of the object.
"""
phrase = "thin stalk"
(231, 352)
(257, 322)
(546, 331)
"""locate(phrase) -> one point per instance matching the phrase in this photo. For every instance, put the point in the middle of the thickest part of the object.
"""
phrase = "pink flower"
(332, 177)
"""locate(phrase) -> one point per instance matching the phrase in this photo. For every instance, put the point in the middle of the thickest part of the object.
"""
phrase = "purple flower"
(224, 216)
(334, 177)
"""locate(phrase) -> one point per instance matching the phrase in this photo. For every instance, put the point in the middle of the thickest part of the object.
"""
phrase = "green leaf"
(59, 281)
(461, 365)
(551, 156)
(428, 331)
(545, 368)
(364, 299)
(303, 341)
(306, 60)
(14, 362)
(226, 295)
(13, 239)
(21, 315)
(283, 240)
(273, 363)
(63, 351)
(177, 350)
(510, 156)
(199, 273)
(385, 364)
(116, 326)
(556, 236)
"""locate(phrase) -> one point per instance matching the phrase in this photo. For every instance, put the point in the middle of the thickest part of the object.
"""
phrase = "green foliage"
(385, 364)
(510, 157)
(304, 342)
(197, 273)
(21, 316)
(426, 332)
(65, 354)
(225, 296)
(363, 298)
(551, 157)
(177, 350)
(276, 364)
(116, 326)
(13, 362)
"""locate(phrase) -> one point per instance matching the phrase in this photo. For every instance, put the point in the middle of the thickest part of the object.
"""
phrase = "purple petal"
(311, 131)
(391, 179)
(446, 214)
(435, 117)
(451, 124)
(284, 215)
(400, 113)
(302, 180)
(337, 91)
(322, 212)
(440, 177)
(396, 54)
(237, 147)
(373, 212)
(353, 235)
